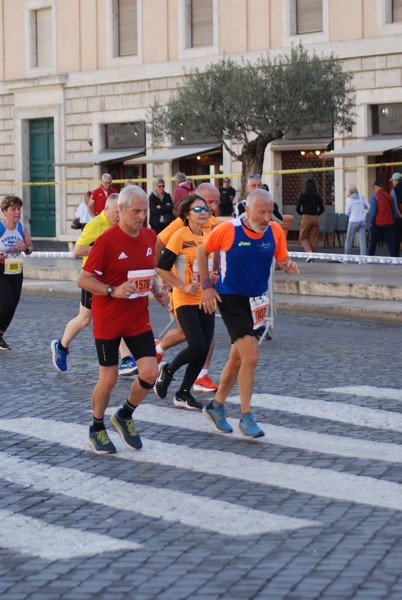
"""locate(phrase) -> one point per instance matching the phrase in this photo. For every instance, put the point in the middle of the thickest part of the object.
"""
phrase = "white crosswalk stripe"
(281, 436)
(321, 482)
(368, 391)
(32, 536)
(330, 411)
(187, 508)
(147, 500)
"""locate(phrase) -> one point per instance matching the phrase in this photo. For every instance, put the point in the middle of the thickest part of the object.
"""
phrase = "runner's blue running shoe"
(128, 367)
(100, 442)
(217, 416)
(59, 356)
(249, 428)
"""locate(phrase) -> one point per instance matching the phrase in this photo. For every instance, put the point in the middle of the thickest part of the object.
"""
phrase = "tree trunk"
(252, 159)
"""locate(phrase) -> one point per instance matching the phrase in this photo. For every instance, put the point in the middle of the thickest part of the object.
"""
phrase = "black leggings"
(10, 292)
(198, 327)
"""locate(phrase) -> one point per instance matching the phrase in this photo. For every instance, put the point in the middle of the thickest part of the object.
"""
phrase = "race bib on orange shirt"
(196, 274)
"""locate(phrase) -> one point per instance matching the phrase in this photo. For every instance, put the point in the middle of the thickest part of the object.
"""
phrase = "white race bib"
(196, 273)
(259, 306)
(12, 266)
(142, 280)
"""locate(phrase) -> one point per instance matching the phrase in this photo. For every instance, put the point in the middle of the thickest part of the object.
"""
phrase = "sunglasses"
(199, 209)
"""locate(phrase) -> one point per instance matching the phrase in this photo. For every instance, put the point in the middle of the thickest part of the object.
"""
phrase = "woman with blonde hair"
(356, 204)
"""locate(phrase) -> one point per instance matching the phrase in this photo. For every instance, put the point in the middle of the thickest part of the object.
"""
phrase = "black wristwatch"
(109, 290)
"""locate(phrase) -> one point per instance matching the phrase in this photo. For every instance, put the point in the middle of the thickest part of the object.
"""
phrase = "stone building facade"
(77, 78)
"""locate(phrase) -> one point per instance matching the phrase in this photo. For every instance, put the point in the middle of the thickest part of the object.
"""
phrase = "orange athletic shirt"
(184, 244)
(175, 225)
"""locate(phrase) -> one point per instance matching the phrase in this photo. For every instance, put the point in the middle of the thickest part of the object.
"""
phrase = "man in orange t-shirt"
(247, 247)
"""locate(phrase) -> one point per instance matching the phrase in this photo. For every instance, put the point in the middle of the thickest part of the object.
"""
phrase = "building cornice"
(35, 82)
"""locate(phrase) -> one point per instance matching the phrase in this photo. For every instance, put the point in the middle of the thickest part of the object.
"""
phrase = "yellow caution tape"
(203, 177)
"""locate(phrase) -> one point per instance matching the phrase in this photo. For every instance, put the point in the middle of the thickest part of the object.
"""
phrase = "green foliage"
(245, 102)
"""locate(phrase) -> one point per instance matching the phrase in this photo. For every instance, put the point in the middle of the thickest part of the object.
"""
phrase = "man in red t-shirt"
(119, 273)
(98, 197)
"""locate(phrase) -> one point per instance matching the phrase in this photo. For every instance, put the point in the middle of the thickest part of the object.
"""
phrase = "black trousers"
(397, 236)
(382, 232)
(198, 327)
(10, 292)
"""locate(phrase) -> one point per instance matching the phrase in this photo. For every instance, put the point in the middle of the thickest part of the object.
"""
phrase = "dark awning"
(171, 154)
(102, 157)
(371, 146)
(300, 144)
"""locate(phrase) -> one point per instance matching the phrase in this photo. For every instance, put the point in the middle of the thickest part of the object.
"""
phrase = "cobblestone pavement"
(313, 510)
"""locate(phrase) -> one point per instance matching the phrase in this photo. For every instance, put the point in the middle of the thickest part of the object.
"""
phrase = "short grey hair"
(352, 189)
(111, 199)
(180, 177)
(255, 194)
(106, 176)
(158, 180)
(129, 192)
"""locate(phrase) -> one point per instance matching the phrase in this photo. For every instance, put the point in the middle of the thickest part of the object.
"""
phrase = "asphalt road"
(313, 510)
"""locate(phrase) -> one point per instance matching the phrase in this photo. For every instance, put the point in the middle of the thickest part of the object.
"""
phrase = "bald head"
(211, 195)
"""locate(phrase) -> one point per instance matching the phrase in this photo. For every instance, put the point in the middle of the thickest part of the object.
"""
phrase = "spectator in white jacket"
(82, 213)
(356, 205)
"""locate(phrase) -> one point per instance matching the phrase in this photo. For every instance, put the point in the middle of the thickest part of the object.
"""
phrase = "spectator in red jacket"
(183, 187)
(382, 216)
(98, 197)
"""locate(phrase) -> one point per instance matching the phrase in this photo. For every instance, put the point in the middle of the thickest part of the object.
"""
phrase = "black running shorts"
(236, 314)
(139, 345)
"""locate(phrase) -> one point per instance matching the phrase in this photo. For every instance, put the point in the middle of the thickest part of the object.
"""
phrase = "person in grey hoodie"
(356, 204)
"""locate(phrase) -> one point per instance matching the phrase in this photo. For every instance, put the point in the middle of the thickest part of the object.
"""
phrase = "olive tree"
(253, 103)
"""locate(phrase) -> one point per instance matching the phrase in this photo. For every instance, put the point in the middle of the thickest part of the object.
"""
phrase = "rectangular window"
(308, 16)
(386, 119)
(201, 23)
(127, 27)
(42, 51)
(396, 10)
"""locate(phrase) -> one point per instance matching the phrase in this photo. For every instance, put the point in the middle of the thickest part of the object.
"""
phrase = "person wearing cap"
(382, 215)
(396, 194)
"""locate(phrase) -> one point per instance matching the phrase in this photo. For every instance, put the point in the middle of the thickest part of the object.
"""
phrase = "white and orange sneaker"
(204, 384)
(159, 355)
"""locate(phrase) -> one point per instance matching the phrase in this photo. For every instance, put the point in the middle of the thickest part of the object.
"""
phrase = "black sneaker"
(3, 344)
(127, 431)
(163, 382)
(182, 400)
(100, 442)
